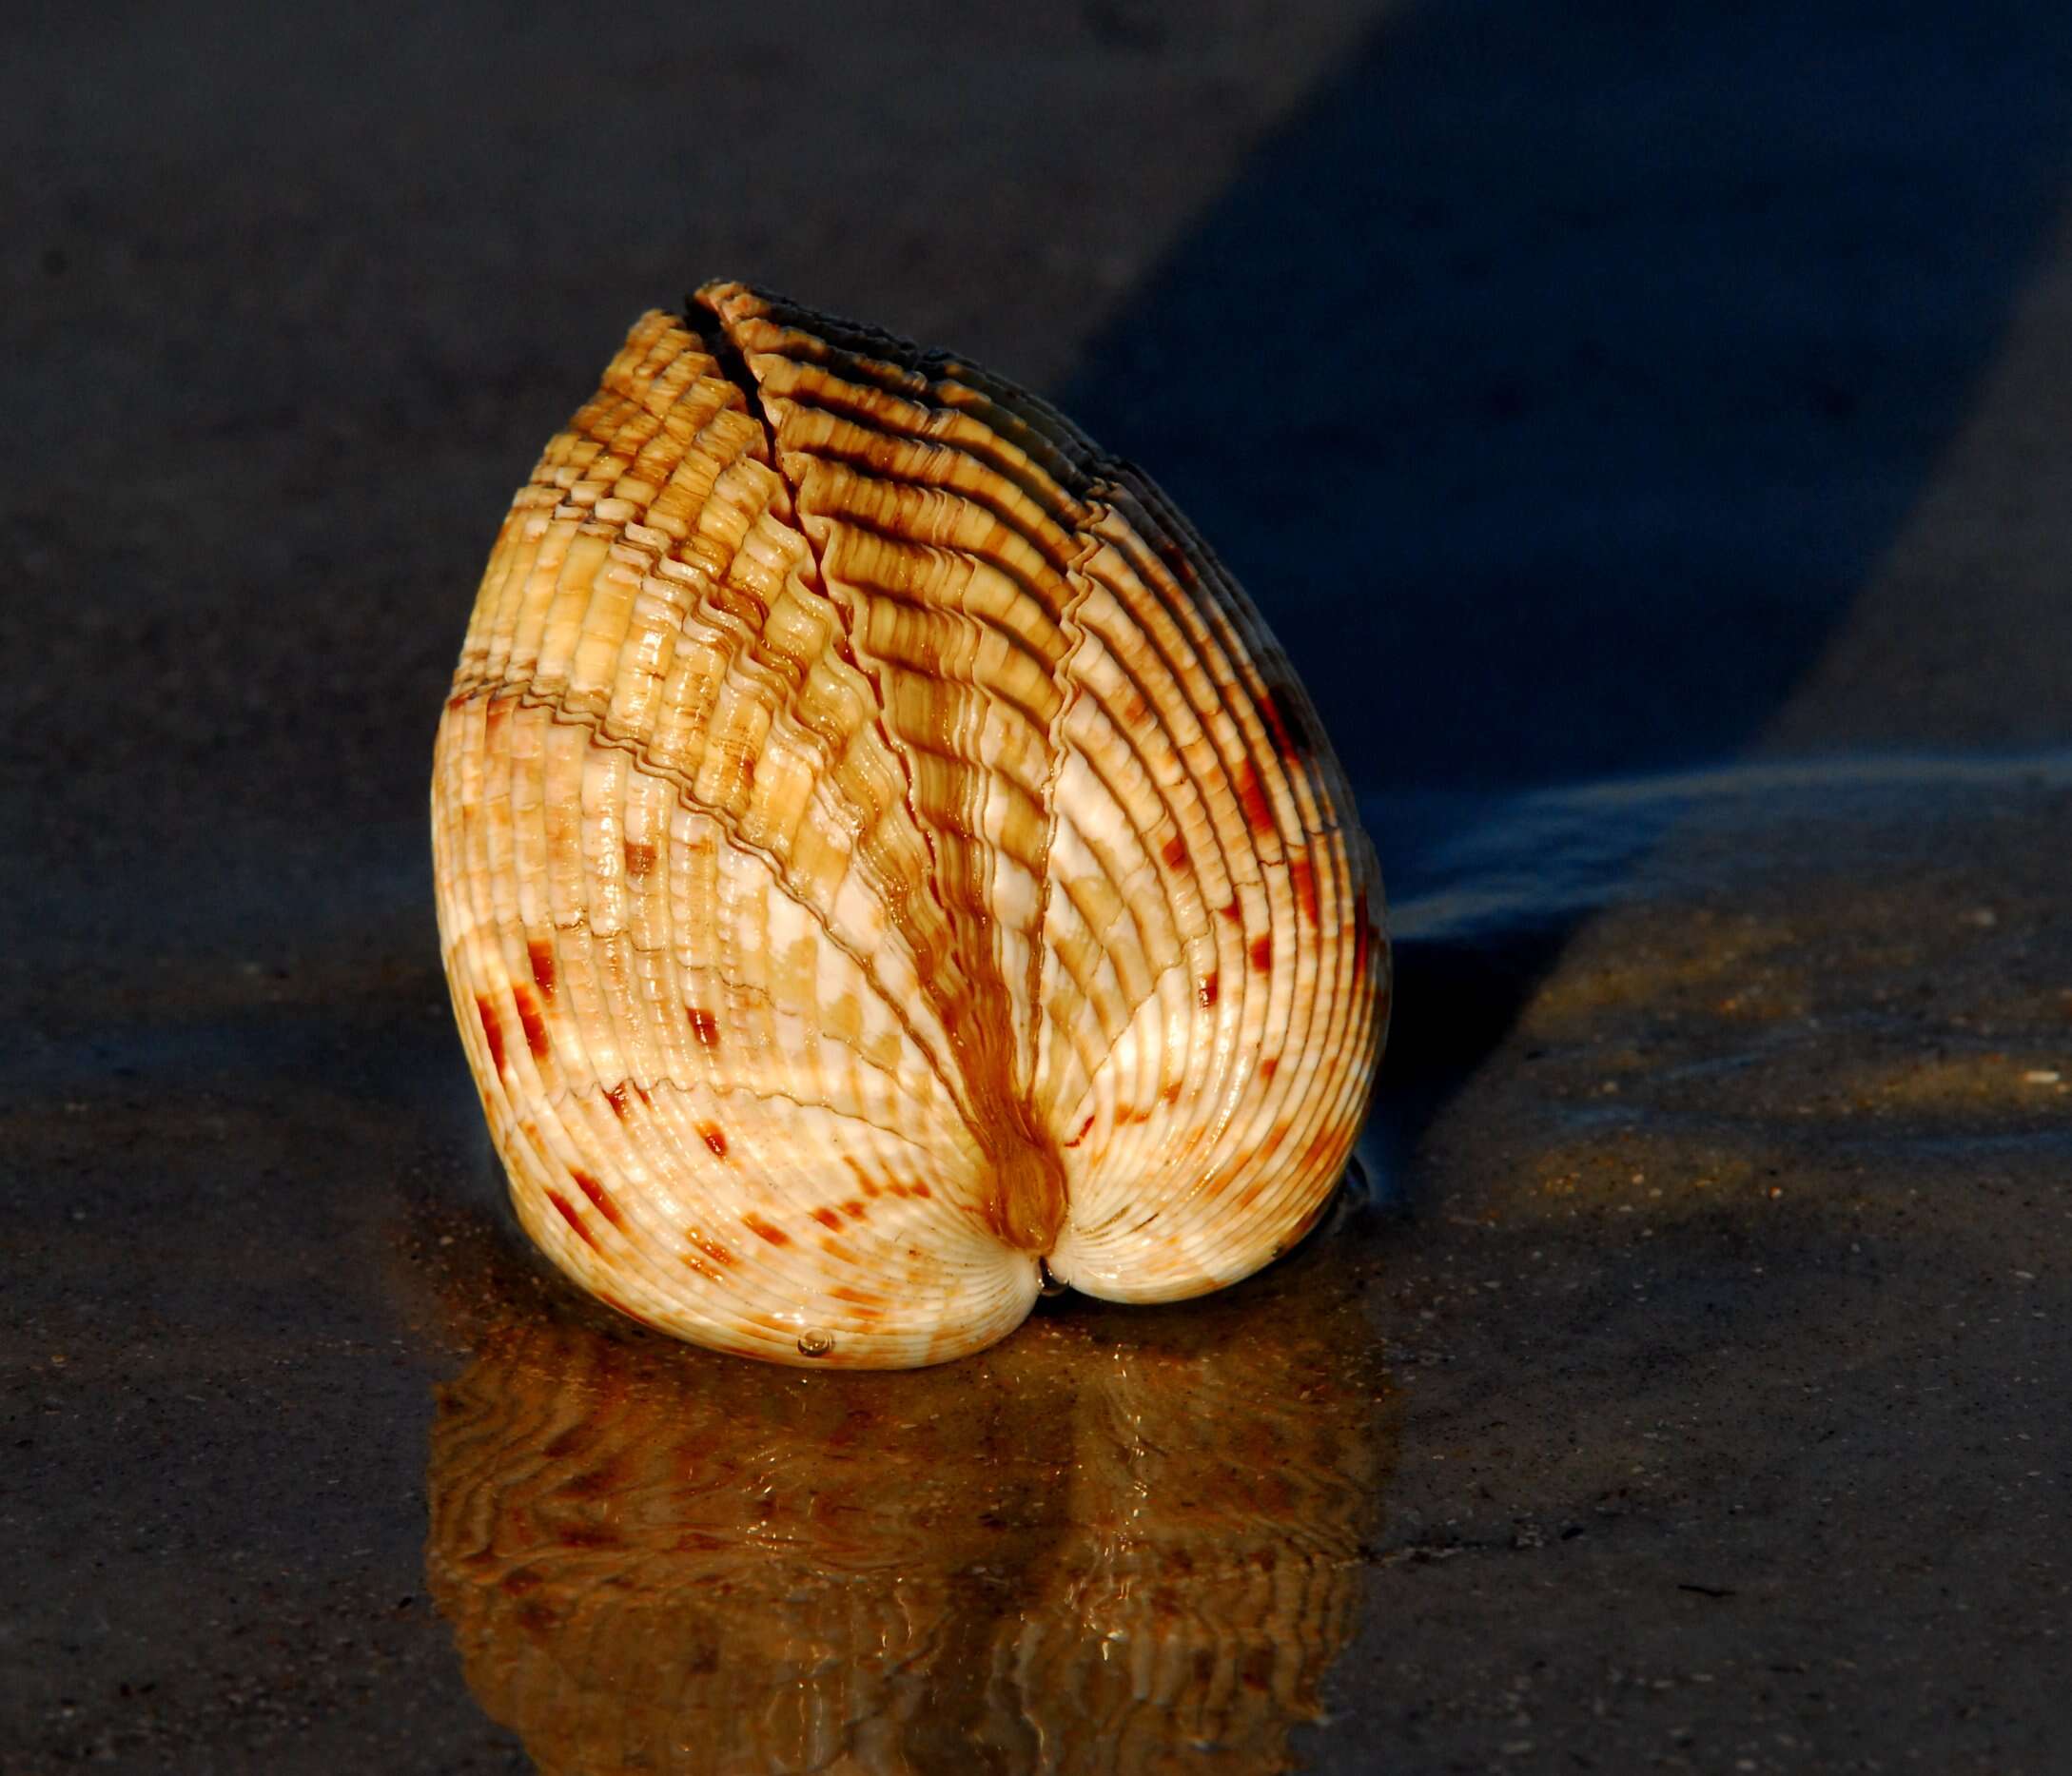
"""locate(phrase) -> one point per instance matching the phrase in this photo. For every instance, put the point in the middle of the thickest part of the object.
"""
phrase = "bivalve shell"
(883, 863)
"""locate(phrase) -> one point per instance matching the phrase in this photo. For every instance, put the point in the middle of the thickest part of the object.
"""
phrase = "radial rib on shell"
(879, 847)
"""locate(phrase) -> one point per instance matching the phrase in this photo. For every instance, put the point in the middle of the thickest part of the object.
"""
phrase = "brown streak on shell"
(600, 1198)
(492, 1033)
(540, 954)
(1303, 878)
(536, 1026)
(566, 1209)
(763, 1230)
(710, 1248)
(1259, 812)
(1291, 734)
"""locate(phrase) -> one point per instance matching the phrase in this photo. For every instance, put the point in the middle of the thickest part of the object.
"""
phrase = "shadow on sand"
(1559, 377)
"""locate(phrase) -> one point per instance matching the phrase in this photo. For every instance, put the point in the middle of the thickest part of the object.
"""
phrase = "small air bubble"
(815, 1343)
(1046, 1282)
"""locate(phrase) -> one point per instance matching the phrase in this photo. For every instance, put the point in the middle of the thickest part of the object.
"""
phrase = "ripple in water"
(1463, 867)
(1125, 1541)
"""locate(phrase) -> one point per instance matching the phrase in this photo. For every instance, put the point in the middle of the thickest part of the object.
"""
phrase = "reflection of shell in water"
(878, 847)
(1209, 1583)
(1072, 1555)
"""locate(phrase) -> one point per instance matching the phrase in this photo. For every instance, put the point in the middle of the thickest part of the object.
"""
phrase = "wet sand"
(1687, 408)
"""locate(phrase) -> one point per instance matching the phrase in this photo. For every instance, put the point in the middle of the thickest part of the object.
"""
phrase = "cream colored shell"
(878, 849)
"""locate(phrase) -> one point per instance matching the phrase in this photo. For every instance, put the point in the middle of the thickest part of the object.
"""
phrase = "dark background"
(1583, 391)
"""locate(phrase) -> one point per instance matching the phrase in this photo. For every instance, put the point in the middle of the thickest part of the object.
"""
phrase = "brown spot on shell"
(1082, 1128)
(639, 858)
(1269, 1067)
(855, 1208)
(573, 1219)
(710, 1248)
(703, 1026)
(596, 1192)
(1262, 951)
(714, 1137)
(1208, 988)
(536, 1025)
(541, 954)
(1176, 560)
(1303, 878)
(1291, 737)
(763, 1230)
(1231, 911)
(615, 1096)
(492, 1032)
(827, 1218)
(1175, 852)
(1259, 813)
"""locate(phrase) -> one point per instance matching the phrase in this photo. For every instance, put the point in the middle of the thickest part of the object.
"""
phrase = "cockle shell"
(883, 857)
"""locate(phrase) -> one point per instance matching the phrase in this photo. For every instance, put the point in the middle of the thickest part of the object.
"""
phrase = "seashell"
(883, 863)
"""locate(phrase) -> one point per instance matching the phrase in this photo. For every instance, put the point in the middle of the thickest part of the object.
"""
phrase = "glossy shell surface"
(882, 856)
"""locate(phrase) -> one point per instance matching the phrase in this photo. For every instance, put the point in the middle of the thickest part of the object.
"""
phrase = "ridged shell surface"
(878, 847)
